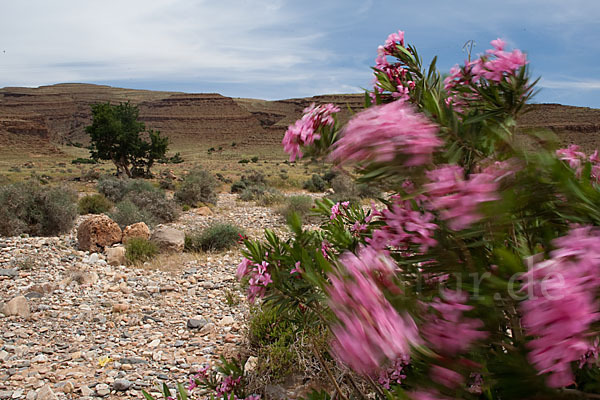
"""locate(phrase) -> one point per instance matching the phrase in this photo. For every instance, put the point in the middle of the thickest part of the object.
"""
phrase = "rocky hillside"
(35, 118)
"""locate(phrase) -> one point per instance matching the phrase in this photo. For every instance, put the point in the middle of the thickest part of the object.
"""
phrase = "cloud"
(570, 84)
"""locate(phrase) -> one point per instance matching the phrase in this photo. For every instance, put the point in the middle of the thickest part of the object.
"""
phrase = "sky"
(276, 49)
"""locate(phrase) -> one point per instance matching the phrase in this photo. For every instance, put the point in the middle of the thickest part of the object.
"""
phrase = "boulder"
(46, 393)
(137, 230)
(115, 255)
(17, 306)
(169, 239)
(98, 232)
(204, 211)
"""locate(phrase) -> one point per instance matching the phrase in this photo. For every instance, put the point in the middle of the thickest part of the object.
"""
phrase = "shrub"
(115, 189)
(126, 213)
(243, 161)
(238, 186)
(198, 186)
(254, 178)
(300, 205)
(140, 250)
(273, 338)
(166, 184)
(94, 204)
(29, 208)
(219, 236)
(80, 160)
(254, 159)
(155, 203)
(315, 184)
(270, 197)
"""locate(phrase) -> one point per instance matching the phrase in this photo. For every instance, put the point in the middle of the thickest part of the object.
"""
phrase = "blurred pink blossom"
(458, 199)
(304, 131)
(447, 330)
(382, 133)
(561, 304)
(370, 331)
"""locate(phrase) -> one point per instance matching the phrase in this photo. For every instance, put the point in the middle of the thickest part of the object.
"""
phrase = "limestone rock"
(204, 211)
(97, 232)
(116, 255)
(17, 306)
(168, 238)
(46, 393)
(137, 230)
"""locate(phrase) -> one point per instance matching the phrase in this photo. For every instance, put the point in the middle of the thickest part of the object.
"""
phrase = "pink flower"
(325, 246)
(258, 281)
(447, 377)
(370, 331)
(383, 133)
(405, 226)
(458, 199)
(429, 394)
(393, 40)
(242, 269)
(561, 304)
(573, 157)
(227, 385)
(447, 330)
(296, 269)
(394, 373)
(304, 131)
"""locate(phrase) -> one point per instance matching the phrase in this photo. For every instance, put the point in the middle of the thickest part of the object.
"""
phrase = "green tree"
(117, 135)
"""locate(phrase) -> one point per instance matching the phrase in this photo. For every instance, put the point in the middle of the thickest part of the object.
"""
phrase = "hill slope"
(36, 119)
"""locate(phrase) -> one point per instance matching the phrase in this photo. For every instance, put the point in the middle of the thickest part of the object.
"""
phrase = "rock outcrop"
(168, 239)
(137, 230)
(98, 232)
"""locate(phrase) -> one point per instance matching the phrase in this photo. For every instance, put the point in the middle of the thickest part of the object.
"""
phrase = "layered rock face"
(201, 116)
(59, 113)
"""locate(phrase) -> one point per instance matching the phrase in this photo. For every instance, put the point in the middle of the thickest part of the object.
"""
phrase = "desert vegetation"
(434, 256)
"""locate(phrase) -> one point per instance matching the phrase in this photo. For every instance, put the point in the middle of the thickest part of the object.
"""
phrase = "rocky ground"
(97, 330)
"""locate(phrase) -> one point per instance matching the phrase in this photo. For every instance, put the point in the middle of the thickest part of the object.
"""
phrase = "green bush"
(126, 213)
(29, 208)
(155, 203)
(94, 204)
(198, 186)
(315, 184)
(80, 160)
(270, 197)
(238, 186)
(219, 236)
(300, 205)
(254, 159)
(115, 189)
(140, 250)
(273, 339)
(244, 161)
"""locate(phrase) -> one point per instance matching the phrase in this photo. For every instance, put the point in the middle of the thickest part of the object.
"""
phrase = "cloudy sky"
(275, 49)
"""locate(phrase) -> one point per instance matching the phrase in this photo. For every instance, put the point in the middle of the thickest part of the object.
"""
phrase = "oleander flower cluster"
(305, 131)
(562, 304)
(381, 134)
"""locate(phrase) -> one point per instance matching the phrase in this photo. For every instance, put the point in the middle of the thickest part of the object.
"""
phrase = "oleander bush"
(477, 278)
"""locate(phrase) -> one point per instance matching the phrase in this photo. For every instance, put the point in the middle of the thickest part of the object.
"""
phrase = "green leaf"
(165, 390)
(182, 392)
(147, 395)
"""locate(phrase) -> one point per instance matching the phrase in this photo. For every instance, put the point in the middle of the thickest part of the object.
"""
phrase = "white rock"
(17, 306)
(46, 393)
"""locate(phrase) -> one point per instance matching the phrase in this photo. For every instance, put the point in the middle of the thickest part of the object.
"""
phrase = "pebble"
(95, 327)
(121, 385)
